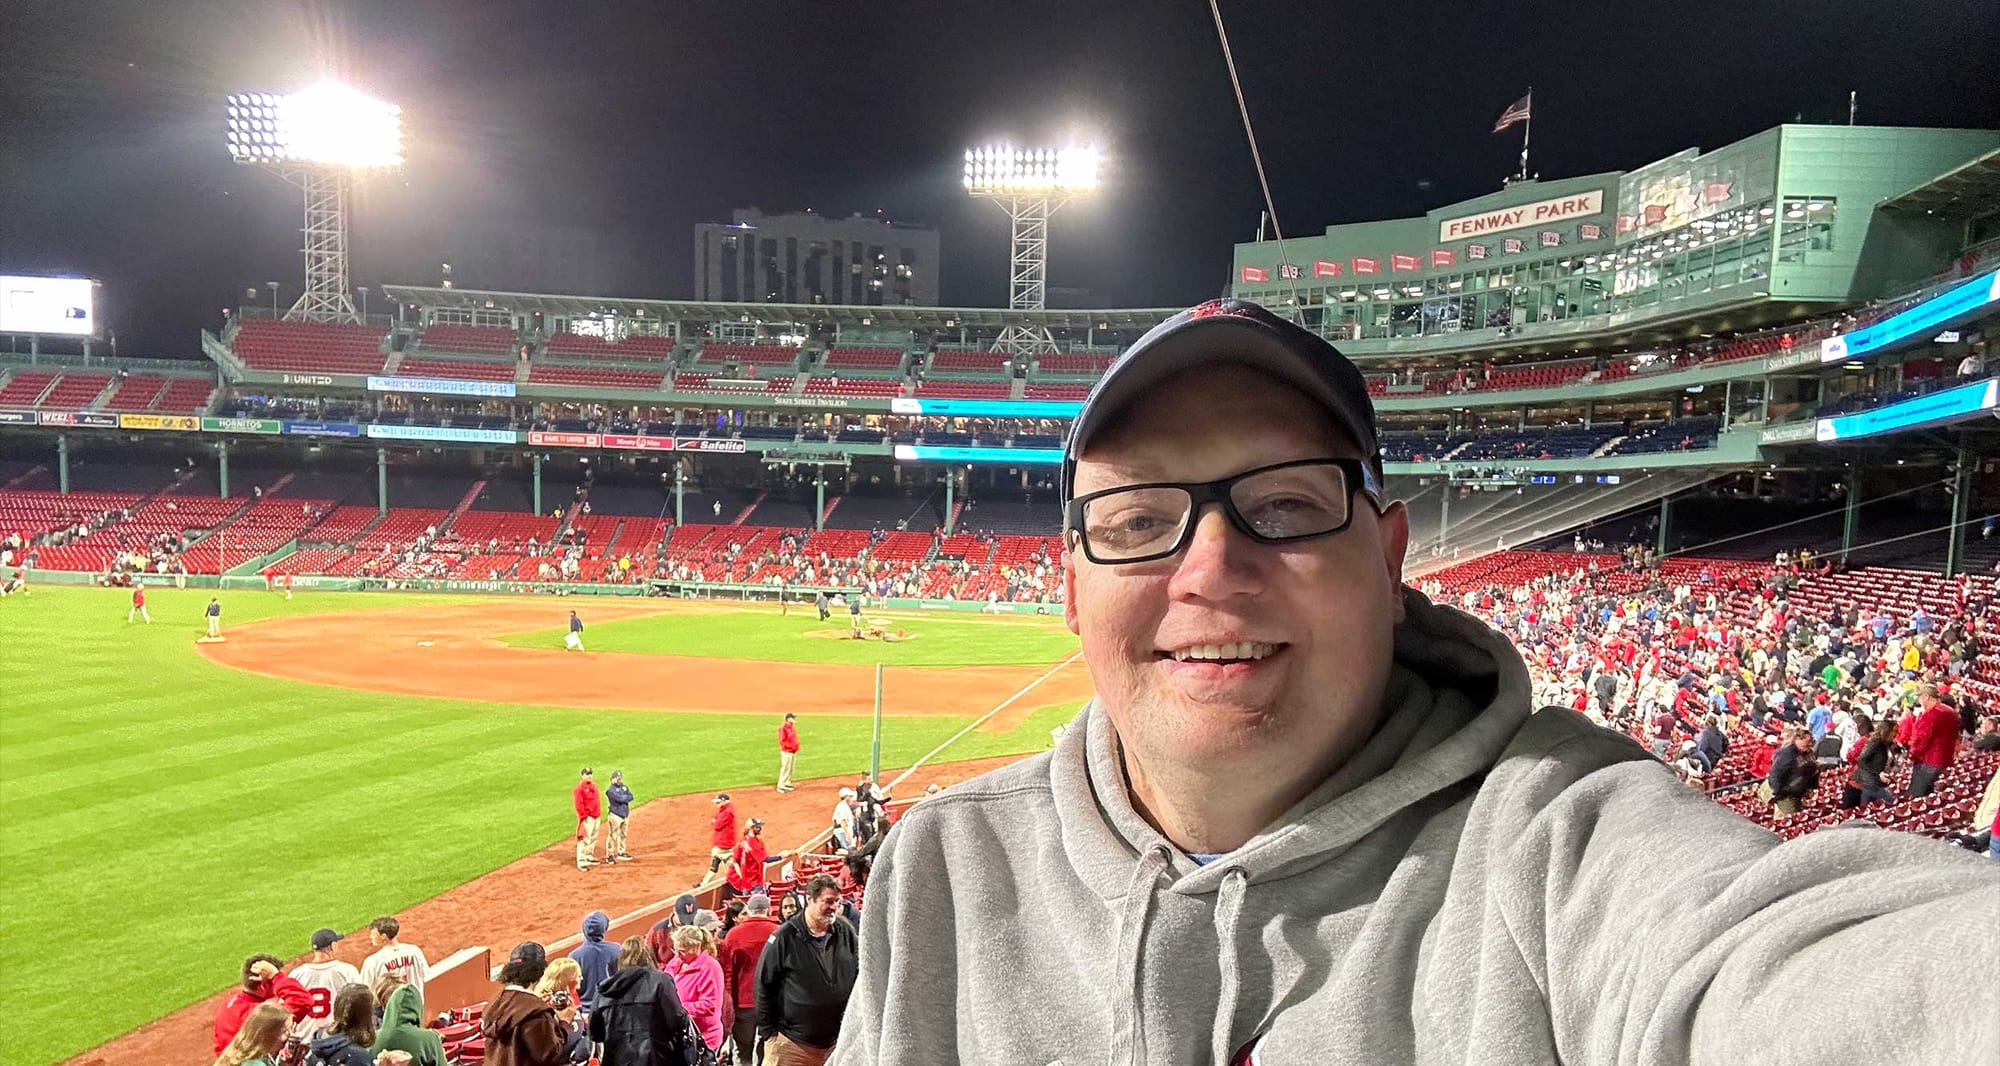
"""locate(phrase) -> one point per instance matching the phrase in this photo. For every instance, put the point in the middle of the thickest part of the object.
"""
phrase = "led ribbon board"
(1909, 322)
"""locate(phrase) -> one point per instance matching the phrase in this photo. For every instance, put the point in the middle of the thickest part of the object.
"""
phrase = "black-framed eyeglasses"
(1277, 504)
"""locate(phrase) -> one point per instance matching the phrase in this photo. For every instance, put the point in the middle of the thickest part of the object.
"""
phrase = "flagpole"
(1527, 126)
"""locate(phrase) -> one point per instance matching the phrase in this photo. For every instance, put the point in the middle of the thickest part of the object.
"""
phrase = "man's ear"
(1394, 525)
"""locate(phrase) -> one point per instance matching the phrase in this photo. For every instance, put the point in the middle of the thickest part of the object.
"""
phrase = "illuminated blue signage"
(320, 429)
(1921, 319)
(1937, 407)
(907, 405)
(1010, 456)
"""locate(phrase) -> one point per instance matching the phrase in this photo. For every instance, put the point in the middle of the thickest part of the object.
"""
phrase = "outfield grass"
(147, 792)
(760, 633)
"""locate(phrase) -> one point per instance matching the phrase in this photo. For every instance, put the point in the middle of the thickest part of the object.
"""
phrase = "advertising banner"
(644, 444)
(241, 425)
(441, 386)
(309, 379)
(17, 418)
(93, 419)
(453, 434)
(725, 446)
(179, 423)
(1012, 456)
(319, 429)
(546, 439)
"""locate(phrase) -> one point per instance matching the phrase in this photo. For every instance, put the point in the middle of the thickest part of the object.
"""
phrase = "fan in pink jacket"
(698, 978)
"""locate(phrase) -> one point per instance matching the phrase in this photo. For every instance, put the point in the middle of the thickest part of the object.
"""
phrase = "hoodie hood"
(595, 924)
(405, 1009)
(1457, 693)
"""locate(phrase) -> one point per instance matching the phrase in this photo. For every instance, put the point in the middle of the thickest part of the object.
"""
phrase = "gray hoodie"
(1477, 884)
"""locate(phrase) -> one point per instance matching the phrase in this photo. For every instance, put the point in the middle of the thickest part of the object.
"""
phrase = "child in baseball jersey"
(404, 962)
(138, 604)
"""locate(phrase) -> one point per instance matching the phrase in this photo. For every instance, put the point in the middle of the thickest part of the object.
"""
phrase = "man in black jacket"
(806, 973)
(1793, 774)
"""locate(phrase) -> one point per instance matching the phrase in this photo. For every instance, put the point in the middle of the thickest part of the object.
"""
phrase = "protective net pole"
(875, 746)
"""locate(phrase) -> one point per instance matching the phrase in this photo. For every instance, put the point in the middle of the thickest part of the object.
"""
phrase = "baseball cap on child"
(685, 908)
(528, 951)
(324, 939)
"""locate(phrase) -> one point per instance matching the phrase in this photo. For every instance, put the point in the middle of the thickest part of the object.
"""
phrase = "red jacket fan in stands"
(262, 980)
(722, 833)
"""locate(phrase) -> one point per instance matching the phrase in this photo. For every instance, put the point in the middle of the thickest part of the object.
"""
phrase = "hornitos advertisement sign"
(241, 425)
(177, 423)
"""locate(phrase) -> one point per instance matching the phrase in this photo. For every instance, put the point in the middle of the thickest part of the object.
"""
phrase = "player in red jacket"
(587, 811)
(1933, 740)
(746, 861)
(722, 833)
(262, 980)
(788, 750)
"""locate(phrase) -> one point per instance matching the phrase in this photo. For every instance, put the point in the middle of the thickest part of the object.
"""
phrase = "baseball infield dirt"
(453, 652)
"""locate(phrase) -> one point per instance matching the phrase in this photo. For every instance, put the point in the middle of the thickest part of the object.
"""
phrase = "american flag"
(1517, 112)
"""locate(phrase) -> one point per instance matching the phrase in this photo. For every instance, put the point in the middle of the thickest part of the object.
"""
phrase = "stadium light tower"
(322, 140)
(1030, 184)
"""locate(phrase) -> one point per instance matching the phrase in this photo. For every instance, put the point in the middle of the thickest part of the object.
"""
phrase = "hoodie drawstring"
(1128, 1038)
(1228, 919)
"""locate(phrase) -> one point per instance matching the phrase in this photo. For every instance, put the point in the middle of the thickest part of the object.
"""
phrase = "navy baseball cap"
(325, 938)
(1228, 331)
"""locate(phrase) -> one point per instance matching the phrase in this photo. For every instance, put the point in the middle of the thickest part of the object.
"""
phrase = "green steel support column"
(1961, 510)
(382, 481)
(62, 462)
(680, 493)
(1666, 524)
(1850, 526)
(1444, 516)
(950, 475)
(819, 494)
(538, 483)
(222, 465)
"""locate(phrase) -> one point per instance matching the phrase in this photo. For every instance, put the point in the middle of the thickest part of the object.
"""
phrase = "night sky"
(639, 119)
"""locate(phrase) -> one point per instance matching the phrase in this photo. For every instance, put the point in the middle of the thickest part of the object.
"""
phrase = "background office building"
(812, 259)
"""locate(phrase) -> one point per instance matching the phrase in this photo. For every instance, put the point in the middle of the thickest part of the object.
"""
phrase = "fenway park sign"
(1541, 212)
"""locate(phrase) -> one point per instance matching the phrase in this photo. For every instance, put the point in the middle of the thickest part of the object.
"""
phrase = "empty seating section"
(136, 393)
(957, 361)
(74, 391)
(317, 347)
(1687, 434)
(185, 396)
(965, 390)
(649, 347)
(343, 524)
(1537, 442)
(864, 360)
(511, 528)
(267, 525)
(1073, 363)
(414, 367)
(25, 387)
(762, 355)
(456, 338)
(594, 377)
(691, 382)
(1536, 376)
(33, 512)
(401, 527)
(1065, 393)
(852, 387)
